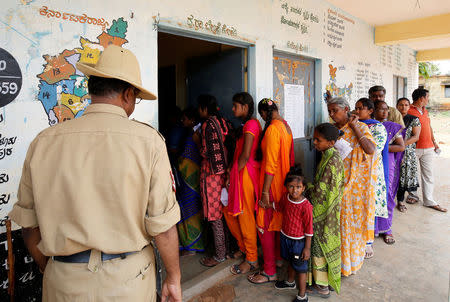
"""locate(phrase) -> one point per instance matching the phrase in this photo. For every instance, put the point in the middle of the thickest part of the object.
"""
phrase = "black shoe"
(284, 285)
(297, 299)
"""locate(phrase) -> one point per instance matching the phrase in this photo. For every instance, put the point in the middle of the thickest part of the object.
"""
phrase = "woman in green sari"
(326, 195)
(190, 227)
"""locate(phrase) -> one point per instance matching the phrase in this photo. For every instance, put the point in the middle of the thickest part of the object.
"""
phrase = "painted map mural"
(63, 88)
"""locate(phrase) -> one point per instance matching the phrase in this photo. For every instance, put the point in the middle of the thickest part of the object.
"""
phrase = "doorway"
(294, 87)
(189, 67)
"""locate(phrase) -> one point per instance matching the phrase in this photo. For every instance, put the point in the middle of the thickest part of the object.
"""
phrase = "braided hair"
(268, 106)
(244, 98)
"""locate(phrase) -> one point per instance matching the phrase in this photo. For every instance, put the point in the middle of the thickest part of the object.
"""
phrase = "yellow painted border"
(413, 30)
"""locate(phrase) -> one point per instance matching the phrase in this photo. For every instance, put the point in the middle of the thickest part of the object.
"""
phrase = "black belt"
(83, 257)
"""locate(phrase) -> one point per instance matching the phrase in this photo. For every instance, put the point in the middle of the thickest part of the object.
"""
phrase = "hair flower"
(270, 103)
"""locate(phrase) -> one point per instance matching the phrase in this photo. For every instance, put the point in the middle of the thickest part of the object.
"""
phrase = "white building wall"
(264, 24)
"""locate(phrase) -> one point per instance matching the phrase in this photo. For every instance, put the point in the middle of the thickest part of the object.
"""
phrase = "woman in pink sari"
(244, 184)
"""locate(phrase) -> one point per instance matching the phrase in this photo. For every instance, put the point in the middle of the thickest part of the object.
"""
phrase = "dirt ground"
(440, 122)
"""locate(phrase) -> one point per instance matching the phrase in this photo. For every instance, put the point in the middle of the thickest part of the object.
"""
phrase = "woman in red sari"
(244, 184)
(276, 152)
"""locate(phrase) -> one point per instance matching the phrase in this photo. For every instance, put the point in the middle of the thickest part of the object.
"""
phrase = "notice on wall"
(294, 108)
(335, 28)
(365, 77)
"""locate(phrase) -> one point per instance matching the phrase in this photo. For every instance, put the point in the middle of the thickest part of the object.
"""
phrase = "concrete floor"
(415, 268)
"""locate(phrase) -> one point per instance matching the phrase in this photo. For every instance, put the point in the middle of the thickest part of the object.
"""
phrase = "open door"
(297, 74)
(221, 75)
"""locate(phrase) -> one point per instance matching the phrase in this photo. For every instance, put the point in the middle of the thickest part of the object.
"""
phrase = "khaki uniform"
(99, 182)
(395, 116)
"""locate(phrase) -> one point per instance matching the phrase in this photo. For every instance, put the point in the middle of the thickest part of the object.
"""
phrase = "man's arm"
(436, 146)
(32, 237)
(167, 244)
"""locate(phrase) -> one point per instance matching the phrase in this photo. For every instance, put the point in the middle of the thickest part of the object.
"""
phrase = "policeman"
(94, 192)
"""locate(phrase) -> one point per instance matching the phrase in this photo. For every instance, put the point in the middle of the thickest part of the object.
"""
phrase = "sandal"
(188, 253)
(411, 200)
(388, 239)
(437, 208)
(401, 207)
(316, 292)
(252, 278)
(369, 252)
(210, 261)
(236, 270)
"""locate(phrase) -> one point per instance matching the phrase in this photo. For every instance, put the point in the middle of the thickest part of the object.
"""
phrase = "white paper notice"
(344, 148)
(294, 108)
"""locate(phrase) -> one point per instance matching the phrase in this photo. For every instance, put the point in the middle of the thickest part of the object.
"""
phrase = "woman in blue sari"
(364, 109)
(396, 146)
(190, 227)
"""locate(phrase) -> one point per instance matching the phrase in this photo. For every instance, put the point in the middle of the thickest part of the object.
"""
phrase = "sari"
(358, 201)
(243, 193)
(380, 163)
(213, 166)
(190, 226)
(326, 196)
(384, 225)
(277, 147)
(212, 179)
(277, 160)
(409, 174)
(237, 187)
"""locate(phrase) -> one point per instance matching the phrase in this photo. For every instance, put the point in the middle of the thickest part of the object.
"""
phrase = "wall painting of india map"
(63, 89)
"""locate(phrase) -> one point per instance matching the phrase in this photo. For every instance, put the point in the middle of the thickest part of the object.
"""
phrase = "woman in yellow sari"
(358, 201)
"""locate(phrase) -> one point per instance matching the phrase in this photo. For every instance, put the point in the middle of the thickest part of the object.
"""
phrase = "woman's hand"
(352, 121)
(328, 95)
(265, 201)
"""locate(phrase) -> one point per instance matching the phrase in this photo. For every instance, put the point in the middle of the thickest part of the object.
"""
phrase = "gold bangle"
(359, 140)
(265, 193)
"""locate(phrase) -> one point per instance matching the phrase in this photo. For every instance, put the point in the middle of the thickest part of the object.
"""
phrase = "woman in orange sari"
(244, 184)
(276, 152)
(358, 200)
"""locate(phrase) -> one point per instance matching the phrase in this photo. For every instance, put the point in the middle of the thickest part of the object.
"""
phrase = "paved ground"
(415, 268)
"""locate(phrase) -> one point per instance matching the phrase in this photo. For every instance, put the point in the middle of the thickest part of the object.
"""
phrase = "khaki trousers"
(425, 158)
(129, 279)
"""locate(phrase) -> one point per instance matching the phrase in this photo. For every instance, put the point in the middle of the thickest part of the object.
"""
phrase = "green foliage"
(428, 69)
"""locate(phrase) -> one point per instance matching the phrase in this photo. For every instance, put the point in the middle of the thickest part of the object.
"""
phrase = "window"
(447, 91)
(400, 88)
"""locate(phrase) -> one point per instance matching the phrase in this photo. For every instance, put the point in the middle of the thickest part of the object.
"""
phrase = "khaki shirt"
(395, 116)
(100, 181)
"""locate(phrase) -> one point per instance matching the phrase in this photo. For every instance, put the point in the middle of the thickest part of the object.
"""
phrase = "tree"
(428, 69)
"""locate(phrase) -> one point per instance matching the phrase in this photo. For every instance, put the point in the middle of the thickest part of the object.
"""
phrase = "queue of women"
(324, 229)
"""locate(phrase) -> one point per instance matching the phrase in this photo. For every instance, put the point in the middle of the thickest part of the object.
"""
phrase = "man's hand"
(171, 290)
(436, 147)
(167, 244)
(32, 237)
